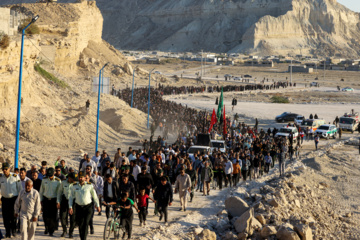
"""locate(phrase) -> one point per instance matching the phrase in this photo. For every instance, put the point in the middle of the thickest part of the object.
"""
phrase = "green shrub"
(279, 99)
(4, 41)
(31, 30)
(50, 77)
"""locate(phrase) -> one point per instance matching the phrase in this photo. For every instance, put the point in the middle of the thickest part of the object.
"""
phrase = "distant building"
(300, 68)
(256, 63)
(10, 21)
(353, 68)
(153, 61)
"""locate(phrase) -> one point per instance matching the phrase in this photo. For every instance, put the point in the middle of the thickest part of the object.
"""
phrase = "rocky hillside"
(70, 47)
(322, 27)
(265, 27)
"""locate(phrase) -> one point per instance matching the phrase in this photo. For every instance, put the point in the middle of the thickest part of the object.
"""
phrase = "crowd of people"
(155, 171)
(129, 179)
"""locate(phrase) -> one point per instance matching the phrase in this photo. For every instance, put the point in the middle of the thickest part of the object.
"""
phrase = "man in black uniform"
(81, 195)
(10, 185)
(63, 194)
(49, 197)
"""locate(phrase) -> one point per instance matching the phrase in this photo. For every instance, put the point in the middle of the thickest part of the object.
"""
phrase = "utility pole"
(324, 68)
(201, 63)
(205, 64)
(291, 71)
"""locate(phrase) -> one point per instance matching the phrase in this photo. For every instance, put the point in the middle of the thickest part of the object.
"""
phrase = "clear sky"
(351, 4)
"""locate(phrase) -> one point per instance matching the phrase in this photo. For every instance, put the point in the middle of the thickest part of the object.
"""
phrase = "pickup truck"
(285, 132)
(326, 131)
(195, 149)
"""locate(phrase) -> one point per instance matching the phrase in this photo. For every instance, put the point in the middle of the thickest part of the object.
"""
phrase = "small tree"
(4, 40)
(31, 30)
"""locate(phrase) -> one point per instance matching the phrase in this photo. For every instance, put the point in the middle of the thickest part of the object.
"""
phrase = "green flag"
(220, 106)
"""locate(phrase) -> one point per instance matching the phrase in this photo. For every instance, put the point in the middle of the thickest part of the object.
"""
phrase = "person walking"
(28, 207)
(245, 167)
(228, 171)
(183, 186)
(110, 193)
(142, 204)
(316, 140)
(268, 161)
(63, 196)
(127, 214)
(207, 176)
(340, 132)
(282, 163)
(88, 162)
(98, 185)
(192, 173)
(163, 196)
(81, 196)
(145, 180)
(236, 172)
(10, 185)
(49, 199)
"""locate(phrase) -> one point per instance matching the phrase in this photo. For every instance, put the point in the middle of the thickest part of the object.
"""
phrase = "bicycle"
(113, 225)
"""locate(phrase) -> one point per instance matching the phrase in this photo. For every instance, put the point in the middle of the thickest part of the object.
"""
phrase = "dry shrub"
(4, 42)
(31, 30)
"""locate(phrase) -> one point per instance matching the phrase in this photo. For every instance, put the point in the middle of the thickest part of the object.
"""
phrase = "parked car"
(286, 117)
(347, 89)
(237, 78)
(157, 72)
(247, 76)
(314, 84)
(299, 119)
(327, 131)
(285, 132)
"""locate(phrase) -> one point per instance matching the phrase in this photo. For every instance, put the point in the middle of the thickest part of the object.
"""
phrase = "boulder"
(242, 236)
(235, 206)
(267, 231)
(206, 234)
(128, 69)
(82, 63)
(243, 223)
(286, 232)
(230, 236)
(273, 202)
(260, 218)
(255, 224)
(221, 212)
(117, 71)
(198, 230)
(304, 232)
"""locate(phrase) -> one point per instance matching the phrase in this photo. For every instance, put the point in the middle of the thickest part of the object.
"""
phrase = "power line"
(39, 50)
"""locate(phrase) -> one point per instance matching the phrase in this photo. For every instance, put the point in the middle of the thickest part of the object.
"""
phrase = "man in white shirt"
(132, 156)
(136, 170)
(23, 177)
(88, 162)
(28, 201)
(163, 160)
(228, 171)
(96, 158)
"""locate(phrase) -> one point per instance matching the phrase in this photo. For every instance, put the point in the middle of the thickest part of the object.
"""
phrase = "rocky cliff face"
(258, 26)
(322, 27)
